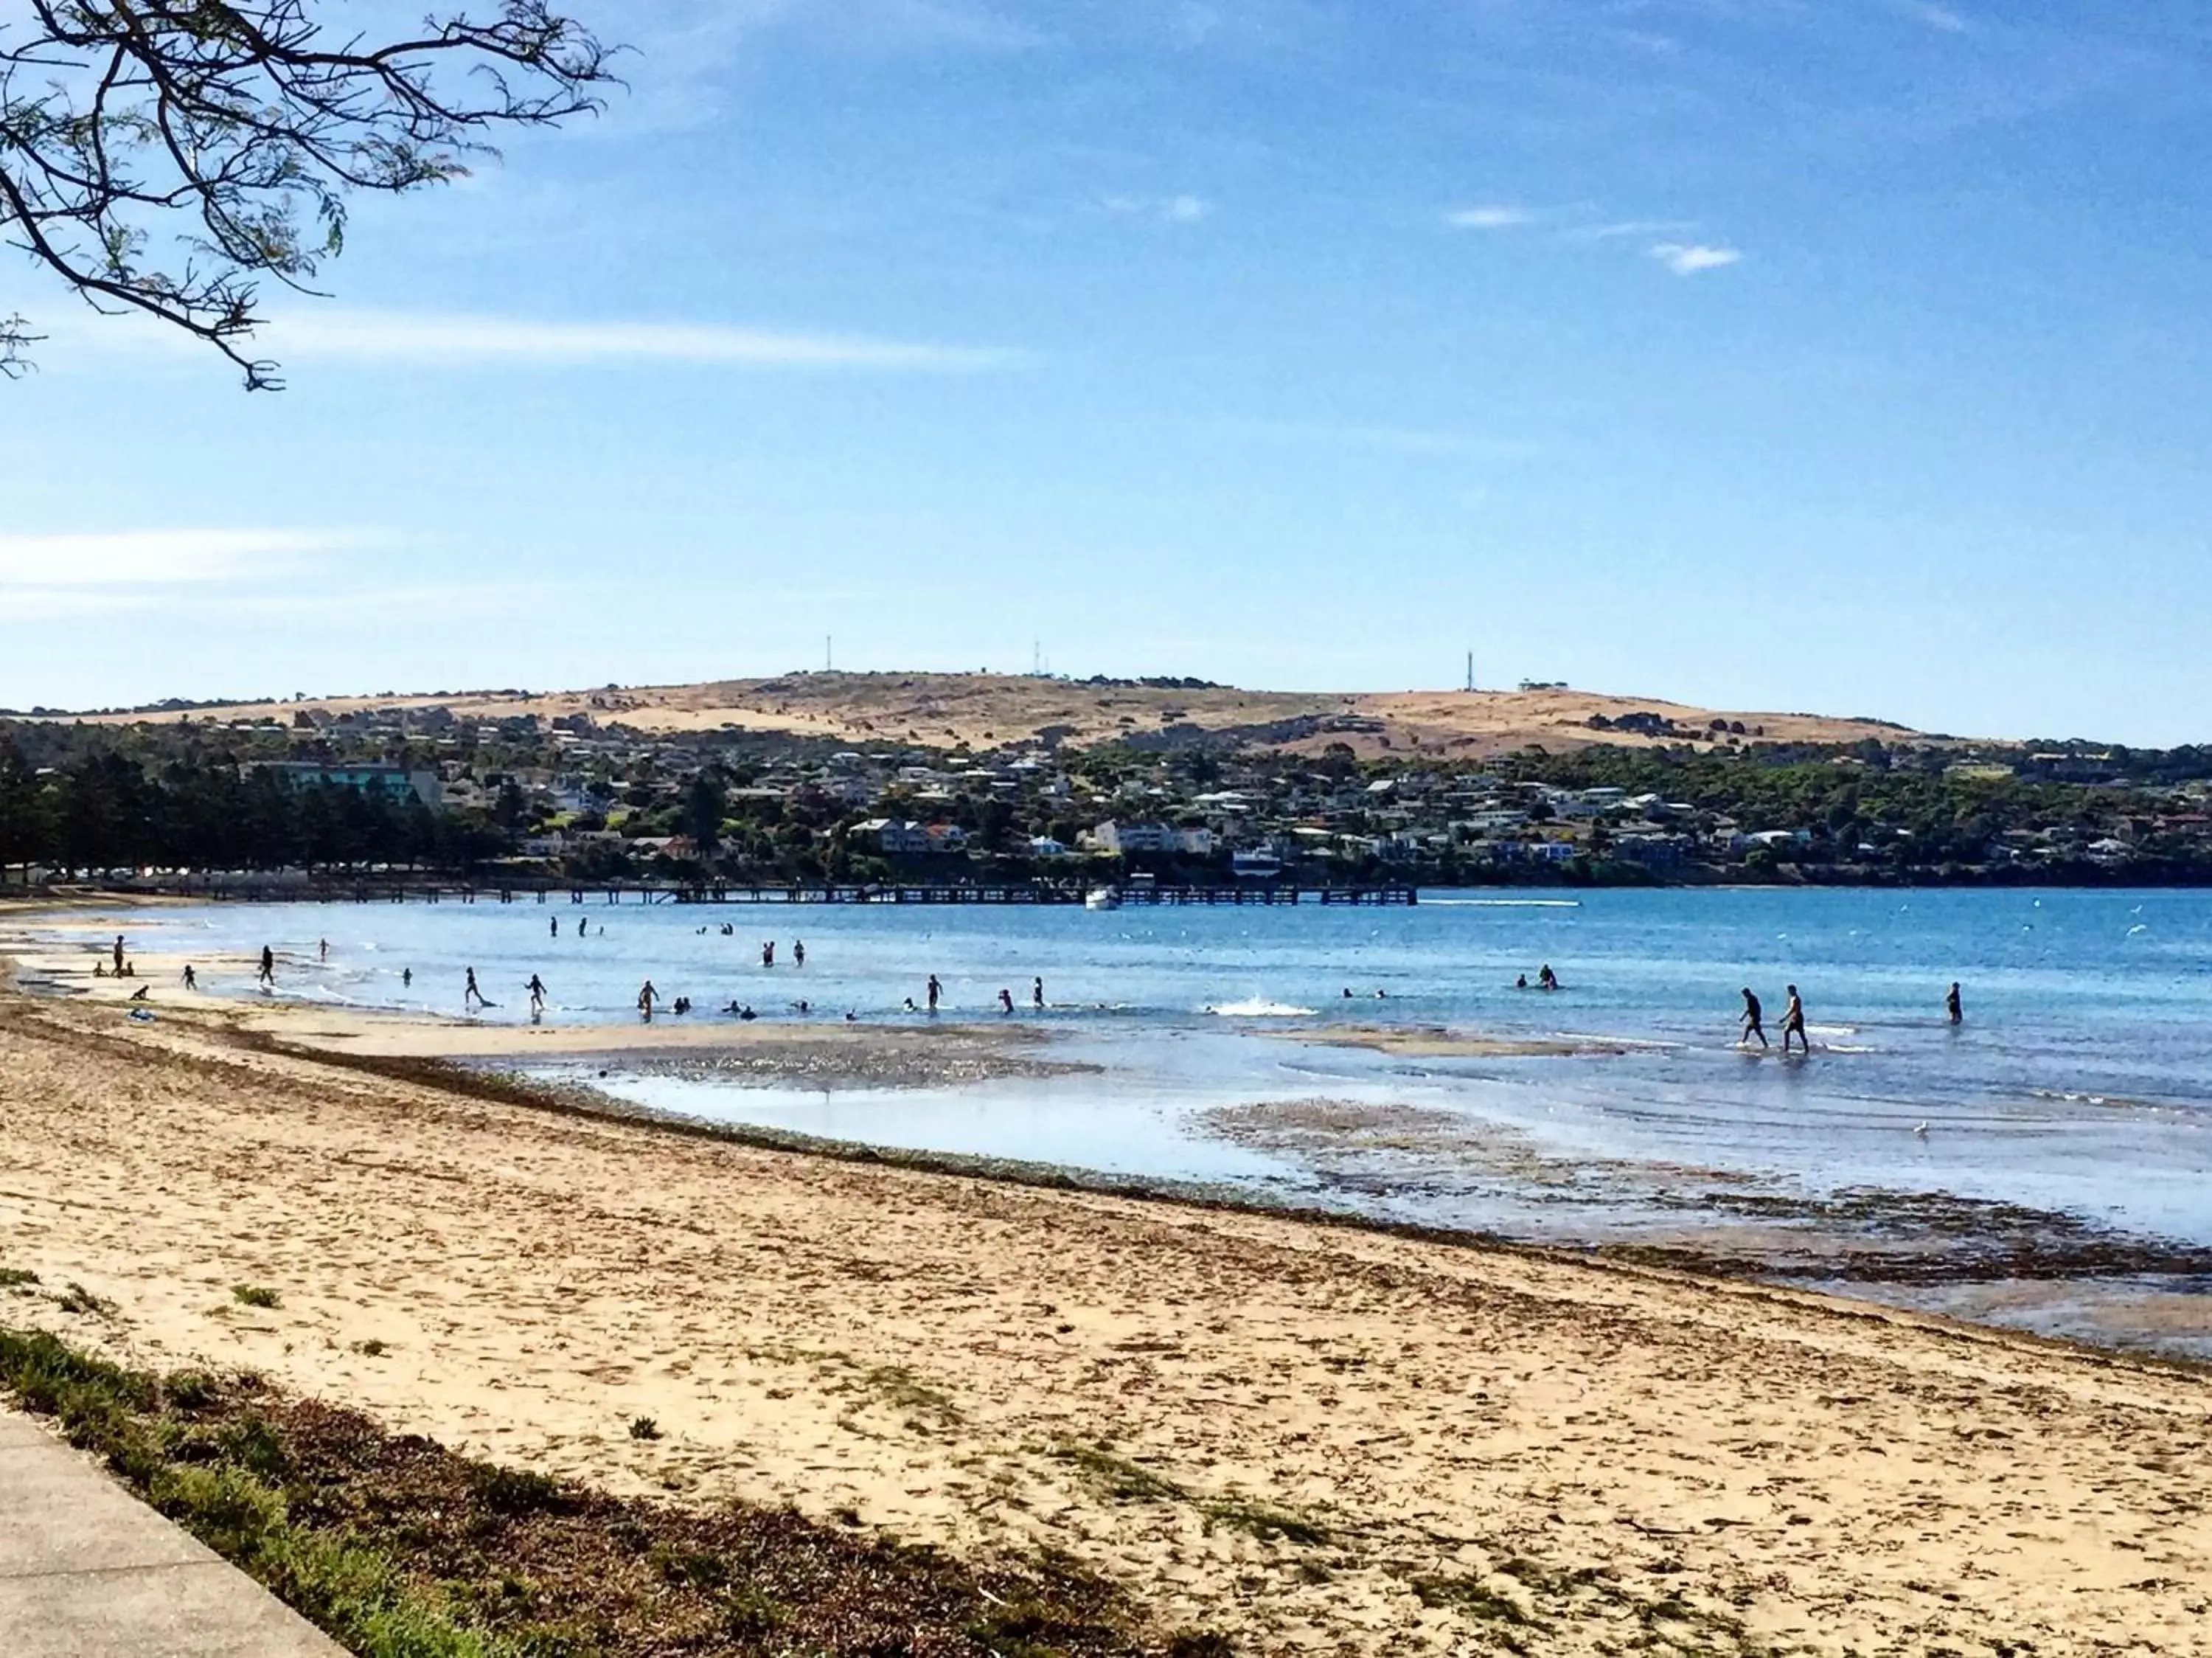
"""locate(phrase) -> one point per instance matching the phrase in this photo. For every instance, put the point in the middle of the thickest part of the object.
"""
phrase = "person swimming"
(1754, 1021)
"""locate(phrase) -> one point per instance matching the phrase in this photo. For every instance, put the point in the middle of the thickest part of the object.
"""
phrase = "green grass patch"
(1267, 1521)
(399, 1548)
(1119, 1478)
(1471, 1597)
(77, 1299)
(1122, 1480)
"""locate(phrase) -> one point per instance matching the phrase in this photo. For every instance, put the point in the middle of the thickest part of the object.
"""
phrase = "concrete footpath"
(88, 1571)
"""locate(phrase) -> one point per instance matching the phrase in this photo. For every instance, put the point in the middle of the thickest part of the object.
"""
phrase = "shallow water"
(2080, 1084)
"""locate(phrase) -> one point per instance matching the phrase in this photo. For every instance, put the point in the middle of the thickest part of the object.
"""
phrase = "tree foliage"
(166, 156)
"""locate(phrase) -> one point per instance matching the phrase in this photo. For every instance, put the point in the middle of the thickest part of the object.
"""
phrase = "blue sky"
(1842, 355)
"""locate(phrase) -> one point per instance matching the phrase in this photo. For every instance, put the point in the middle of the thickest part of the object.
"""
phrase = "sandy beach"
(1317, 1439)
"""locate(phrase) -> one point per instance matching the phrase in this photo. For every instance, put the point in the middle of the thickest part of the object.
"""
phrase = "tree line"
(106, 810)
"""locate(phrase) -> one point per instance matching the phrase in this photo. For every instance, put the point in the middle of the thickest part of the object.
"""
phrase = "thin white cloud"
(156, 559)
(1490, 216)
(1431, 442)
(1620, 229)
(1182, 209)
(456, 339)
(1689, 259)
(1940, 18)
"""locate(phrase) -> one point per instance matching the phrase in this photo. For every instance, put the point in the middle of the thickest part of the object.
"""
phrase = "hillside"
(989, 711)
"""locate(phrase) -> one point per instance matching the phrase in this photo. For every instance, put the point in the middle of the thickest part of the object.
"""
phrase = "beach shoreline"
(1309, 1435)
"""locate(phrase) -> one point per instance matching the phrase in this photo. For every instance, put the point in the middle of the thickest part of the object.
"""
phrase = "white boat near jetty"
(1102, 897)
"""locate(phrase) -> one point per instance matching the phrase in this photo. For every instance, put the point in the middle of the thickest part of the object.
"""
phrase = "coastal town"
(1639, 798)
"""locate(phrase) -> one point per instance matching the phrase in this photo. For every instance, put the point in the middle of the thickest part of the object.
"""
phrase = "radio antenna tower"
(1470, 670)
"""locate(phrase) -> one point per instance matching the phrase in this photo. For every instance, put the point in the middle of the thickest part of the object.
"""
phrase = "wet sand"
(1321, 1440)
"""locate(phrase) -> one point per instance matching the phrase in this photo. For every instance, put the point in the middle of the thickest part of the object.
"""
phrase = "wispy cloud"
(1621, 229)
(456, 339)
(1490, 216)
(1581, 225)
(1424, 441)
(1941, 18)
(1690, 258)
(158, 557)
(1165, 210)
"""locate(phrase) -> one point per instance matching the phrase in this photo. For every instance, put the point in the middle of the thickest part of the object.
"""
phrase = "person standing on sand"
(1754, 1021)
(119, 956)
(1954, 1007)
(936, 990)
(267, 977)
(1793, 1023)
(646, 998)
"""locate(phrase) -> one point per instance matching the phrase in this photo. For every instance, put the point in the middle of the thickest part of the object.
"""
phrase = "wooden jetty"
(219, 888)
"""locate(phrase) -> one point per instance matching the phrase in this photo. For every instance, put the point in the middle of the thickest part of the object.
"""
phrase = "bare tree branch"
(228, 136)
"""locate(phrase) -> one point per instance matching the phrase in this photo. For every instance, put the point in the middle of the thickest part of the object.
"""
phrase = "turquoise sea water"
(2081, 1083)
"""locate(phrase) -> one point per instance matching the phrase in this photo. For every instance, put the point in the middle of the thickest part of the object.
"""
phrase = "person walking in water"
(1954, 1007)
(798, 953)
(407, 978)
(267, 977)
(645, 998)
(1037, 994)
(1793, 1024)
(537, 988)
(556, 927)
(1754, 1021)
(472, 997)
(1546, 979)
(192, 978)
(768, 953)
(936, 990)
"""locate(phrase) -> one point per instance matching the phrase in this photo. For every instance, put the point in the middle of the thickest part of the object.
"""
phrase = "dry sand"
(1319, 1439)
(990, 710)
